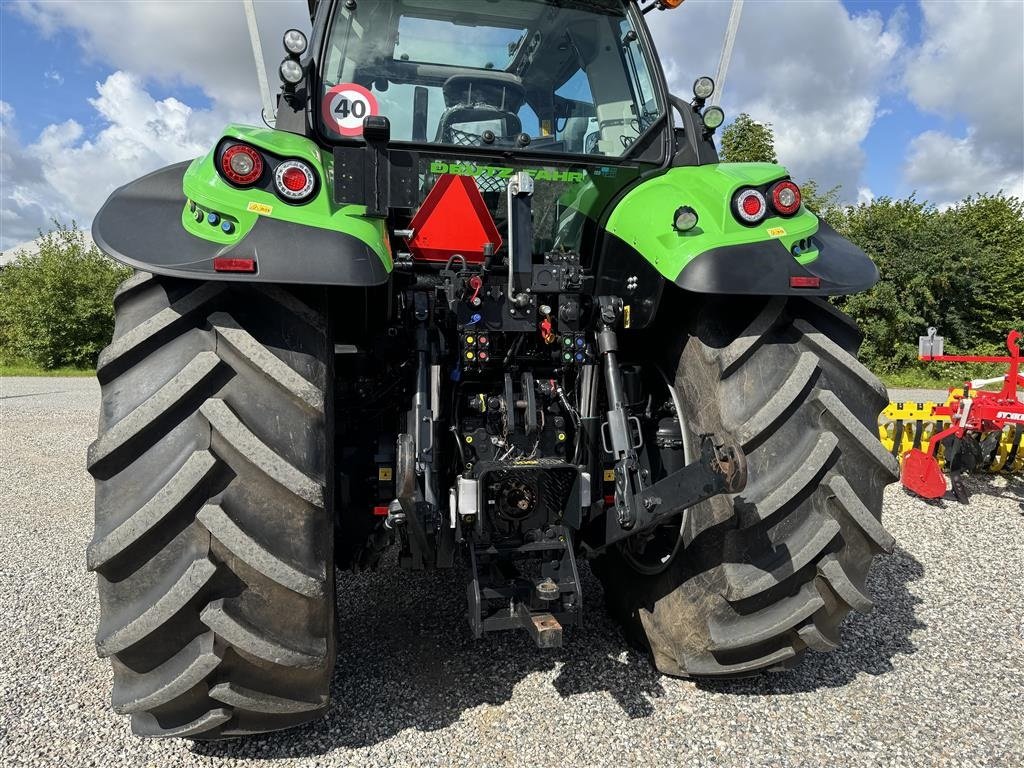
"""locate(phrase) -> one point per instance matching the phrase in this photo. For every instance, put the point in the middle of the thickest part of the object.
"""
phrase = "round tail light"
(786, 198)
(294, 180)
(241, 164)
(751, 206)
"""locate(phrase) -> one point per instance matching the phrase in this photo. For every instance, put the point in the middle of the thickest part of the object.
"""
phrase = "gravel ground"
(933, 677)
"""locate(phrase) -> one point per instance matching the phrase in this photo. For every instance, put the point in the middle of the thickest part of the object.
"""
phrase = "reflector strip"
(380, 511)
(234, 265)
(804, 282)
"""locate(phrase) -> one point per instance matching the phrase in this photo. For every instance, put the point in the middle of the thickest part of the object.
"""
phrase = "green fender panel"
(159, 222)
(722, 255)
(644, 217)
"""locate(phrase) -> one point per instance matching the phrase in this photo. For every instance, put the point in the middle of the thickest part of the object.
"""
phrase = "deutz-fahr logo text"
(503, 172)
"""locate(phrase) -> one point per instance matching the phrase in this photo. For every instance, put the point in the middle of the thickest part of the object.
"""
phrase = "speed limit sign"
(344, 107)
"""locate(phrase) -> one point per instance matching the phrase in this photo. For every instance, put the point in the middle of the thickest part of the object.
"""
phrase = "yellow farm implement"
(906, 425)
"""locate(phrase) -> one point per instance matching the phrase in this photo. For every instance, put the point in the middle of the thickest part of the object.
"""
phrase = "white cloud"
(946, 169)
(205, 45)
(865, 196)
(66, 175)
(27, 202)
(812, 69)
(969, 66)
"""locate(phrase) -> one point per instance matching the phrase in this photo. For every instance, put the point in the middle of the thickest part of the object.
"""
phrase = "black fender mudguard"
(767, 268)
(140, 225)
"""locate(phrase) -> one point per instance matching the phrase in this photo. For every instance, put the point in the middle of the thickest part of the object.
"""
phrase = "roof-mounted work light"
(295, 42)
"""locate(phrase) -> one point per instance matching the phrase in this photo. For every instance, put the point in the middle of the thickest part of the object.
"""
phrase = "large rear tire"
(213, 544)
(761, 576)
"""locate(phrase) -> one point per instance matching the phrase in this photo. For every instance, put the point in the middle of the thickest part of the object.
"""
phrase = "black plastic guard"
(766, 268)
(140, 225)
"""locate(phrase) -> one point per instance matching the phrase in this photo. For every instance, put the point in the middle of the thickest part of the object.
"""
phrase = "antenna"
(261, 67)
(730, 38)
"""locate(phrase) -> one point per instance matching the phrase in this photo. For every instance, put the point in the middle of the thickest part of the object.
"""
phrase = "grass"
(25, 368)
(915, 379)
(940, 376)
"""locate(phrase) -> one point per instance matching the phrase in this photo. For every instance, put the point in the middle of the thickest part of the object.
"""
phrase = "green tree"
(893, 313)
(825, 204)
(960, 270)
(994, 225)
(748, 141)
(56, 306)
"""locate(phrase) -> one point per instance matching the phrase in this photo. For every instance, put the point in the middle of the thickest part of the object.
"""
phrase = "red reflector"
(609, 501)
(805, 282)
(453, 219)
(380, 511)
(751, 206)
(234, 265)
(294, 179)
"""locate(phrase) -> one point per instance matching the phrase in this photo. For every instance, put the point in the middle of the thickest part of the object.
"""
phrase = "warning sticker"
(260, 208)
(344, 107)
(776, 231)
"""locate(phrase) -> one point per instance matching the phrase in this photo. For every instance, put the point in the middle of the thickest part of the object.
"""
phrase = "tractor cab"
(568, 80)
(412, 91)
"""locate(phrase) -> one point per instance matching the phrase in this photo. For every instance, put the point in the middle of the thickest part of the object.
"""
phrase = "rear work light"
(241, 165)
(294, 180)
(785, 198)
(750, 206)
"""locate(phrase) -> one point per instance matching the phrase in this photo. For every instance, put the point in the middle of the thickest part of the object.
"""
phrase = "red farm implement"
(977, 420)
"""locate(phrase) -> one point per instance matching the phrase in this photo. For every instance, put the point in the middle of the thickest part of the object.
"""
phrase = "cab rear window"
(558, 76)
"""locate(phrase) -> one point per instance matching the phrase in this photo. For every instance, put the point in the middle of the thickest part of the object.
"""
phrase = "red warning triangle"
(453, 219)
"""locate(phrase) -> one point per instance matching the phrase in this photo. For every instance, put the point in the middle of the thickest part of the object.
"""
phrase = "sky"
(881, 98)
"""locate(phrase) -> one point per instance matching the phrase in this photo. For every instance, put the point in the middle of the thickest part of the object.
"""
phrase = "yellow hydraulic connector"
(906, 425)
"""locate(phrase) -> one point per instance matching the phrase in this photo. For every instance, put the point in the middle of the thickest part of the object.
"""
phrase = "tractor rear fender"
(799, 254)
(172, 222)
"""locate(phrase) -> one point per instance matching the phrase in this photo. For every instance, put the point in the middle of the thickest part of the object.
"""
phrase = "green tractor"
(484, 298)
